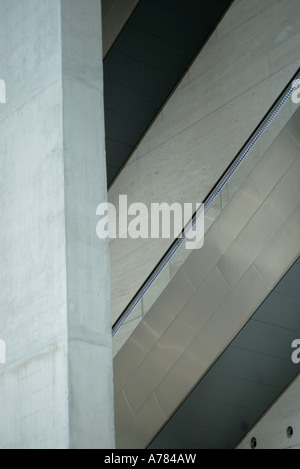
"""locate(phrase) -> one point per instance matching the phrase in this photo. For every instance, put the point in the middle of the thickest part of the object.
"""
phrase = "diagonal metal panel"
(245, 381)
(235, 392)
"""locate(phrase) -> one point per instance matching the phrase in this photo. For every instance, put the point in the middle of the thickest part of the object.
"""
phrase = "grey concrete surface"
(56, 387)
(271, 430)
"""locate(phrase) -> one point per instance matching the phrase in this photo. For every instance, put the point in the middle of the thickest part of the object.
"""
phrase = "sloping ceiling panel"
(148, 59)
(245, 381)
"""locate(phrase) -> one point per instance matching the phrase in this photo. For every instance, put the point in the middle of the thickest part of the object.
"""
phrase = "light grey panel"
(269, 218)
(176, 339)
(281, 252)
(123, 413)
(201, 262)
(144, 426)
(173, 299)
(151, 372)
(150, 330)
(293, 127)
(271, 167)
(202, 306)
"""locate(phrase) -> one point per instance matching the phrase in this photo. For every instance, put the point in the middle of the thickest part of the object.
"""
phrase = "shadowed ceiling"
(147, 60)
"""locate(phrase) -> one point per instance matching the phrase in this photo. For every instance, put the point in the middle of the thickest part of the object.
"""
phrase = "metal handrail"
(210, 198)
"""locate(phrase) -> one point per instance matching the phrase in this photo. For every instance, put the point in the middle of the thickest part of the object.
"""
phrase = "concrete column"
(56, 386)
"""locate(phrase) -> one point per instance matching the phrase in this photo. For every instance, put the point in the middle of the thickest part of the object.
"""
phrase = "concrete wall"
(56, 387)
(229, 88)
(271, 431)
(33, 411)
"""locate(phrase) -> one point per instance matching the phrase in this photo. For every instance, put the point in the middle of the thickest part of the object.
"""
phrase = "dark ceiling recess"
(148, 59)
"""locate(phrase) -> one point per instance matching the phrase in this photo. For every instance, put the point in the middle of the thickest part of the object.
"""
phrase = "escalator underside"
(237, 295)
